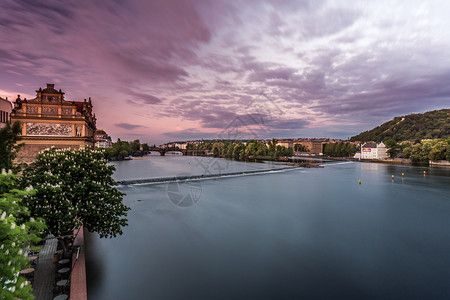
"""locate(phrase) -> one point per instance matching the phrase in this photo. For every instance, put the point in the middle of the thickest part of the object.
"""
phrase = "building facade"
(5, 112)
(372, 150)
(283, 143)
(51, 121)
(102, 139)
(314, 147)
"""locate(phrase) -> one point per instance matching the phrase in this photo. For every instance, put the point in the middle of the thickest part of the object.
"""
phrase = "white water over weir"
(202, 177)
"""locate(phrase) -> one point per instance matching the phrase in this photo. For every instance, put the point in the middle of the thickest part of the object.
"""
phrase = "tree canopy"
(429, 125)
(9, 136)
(425, 151)
(74, 188)
(122, 149)
(238, 149)
(339, 149)
(17, 232)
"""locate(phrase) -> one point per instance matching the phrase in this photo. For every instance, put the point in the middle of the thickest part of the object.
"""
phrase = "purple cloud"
(200, 63)
(128, 126)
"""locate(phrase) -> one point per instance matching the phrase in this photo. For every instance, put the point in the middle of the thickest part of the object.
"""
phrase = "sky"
(162, 70)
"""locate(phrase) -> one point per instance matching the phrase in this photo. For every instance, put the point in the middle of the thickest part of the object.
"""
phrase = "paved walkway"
(44, 276)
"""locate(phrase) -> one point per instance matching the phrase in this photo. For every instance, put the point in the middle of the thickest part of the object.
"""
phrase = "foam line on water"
(339, 163)
(201, 177)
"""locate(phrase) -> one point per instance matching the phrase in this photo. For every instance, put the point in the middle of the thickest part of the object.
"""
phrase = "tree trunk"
(64, 245)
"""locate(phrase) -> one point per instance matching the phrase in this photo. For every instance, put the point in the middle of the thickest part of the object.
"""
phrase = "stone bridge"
(191, 152)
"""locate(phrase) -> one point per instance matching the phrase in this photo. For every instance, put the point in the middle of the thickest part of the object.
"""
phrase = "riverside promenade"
(44, 277)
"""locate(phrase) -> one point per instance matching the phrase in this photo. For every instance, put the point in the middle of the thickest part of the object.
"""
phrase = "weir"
(201, 177)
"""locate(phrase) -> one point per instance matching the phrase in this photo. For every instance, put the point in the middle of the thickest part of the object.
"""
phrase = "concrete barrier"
(78, 287)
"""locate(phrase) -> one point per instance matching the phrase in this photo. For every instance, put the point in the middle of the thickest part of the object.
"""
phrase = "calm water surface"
(305, 233)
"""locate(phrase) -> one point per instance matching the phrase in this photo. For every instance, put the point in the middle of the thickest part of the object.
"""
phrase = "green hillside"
(429, 125)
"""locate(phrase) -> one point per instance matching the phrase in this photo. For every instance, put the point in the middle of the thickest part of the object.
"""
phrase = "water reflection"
(308, 233)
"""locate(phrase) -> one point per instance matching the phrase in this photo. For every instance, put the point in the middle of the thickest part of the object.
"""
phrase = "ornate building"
(49, 120)
(5, 111)
(102, 139)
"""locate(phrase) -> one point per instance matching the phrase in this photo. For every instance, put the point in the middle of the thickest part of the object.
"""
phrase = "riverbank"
(394, 161)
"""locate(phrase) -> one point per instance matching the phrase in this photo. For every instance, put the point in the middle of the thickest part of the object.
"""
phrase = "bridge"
(191, 152)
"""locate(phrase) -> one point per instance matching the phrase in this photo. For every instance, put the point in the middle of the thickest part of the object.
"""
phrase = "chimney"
(50, 85)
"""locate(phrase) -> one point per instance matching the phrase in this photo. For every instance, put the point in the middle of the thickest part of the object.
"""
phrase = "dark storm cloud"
(286, 124)
(189, 134)
(128, 126)
(128, 42)
(205, 61)
(141, 98)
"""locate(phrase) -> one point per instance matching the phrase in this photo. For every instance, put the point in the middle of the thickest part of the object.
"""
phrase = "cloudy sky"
(162, 70)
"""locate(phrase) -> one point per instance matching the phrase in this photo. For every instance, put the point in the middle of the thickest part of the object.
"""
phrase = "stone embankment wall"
(443, 163)
(78, 287)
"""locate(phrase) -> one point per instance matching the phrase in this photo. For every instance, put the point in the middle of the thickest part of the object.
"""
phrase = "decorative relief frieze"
(66, 111)
(49, 129)
(32, 109)
(50, 99)
(49, 110)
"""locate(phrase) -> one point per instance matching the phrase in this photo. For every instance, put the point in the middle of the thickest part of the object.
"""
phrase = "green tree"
(394, 149)
(135, 146)
(75, 188)
(9, 136)
(447, 151)
(438, 151)
(419, 152)
(407, 151)
(217, 148)
(339, 149)
(250, 148)
(17, 232)
(239, 149)
(261, 149)
(145, 148)
(230, 150)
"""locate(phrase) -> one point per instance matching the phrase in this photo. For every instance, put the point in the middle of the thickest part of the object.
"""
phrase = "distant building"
(49, 120)
(312, 146)
(102, 139)
(287, 144)
(181, 145)
(5, 112)
(372, 150)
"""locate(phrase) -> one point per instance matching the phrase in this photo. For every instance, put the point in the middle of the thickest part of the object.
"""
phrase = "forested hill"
(429, 125)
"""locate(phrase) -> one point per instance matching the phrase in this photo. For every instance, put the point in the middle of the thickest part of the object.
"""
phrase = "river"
(301, 233)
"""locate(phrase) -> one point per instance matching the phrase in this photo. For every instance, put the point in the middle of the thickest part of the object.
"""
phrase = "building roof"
(6, 101)
(370, 145)
(100, 131)
(51, 89)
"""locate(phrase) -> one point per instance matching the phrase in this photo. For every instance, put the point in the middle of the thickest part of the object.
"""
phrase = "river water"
(303, 233)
